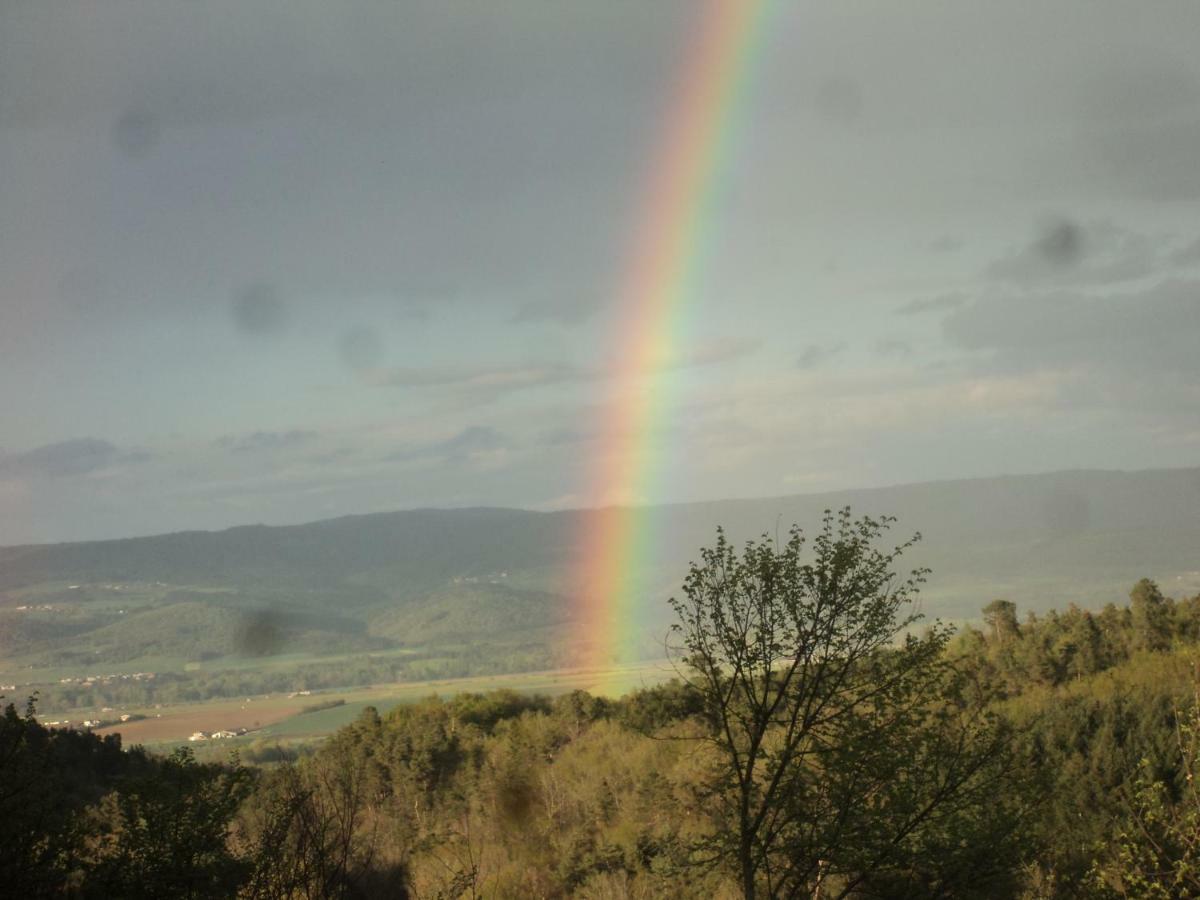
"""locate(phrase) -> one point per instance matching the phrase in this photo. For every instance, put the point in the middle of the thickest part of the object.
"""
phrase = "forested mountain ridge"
(1155, 511)
(418, 577)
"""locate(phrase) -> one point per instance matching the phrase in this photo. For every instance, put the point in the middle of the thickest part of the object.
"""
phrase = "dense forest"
(820, 742)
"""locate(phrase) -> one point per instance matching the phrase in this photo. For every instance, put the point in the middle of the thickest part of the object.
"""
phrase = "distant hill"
(423, 577)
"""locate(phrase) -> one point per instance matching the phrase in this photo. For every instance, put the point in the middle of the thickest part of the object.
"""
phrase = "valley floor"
(287, 717)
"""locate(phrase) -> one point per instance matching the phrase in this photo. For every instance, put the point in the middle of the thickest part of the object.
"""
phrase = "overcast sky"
(273, 262)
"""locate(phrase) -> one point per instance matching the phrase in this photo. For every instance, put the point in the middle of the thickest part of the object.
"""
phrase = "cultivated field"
(281, 716)
(177, 723)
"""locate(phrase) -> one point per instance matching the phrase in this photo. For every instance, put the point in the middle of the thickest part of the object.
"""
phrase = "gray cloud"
(361, 348)
(333, 457)
(254, 160)
(940, 303)
(1157, 160)
(815, 355)
(1188, 255)
(564, 437)
(63, 459)
(839, 100)
(1152, 330)
(947, 243)
(493, 380)
(893, 347)
(424, 207)
(465, 445)
(1143, 90)
(266, 440)
(716, 351)
(136, 132)
(1063, 251)
(571, 308)
(1137, 124)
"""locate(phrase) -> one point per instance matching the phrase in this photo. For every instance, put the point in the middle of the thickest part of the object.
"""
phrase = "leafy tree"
(166, 834)
(1081, 647)
(308, 834)
(47, 777)
(1155, 851)
(33, 838)
(1001, 618)
(842, 753)
(1151, 616)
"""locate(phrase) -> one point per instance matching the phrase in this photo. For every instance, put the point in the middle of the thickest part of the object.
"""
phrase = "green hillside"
(472, 591)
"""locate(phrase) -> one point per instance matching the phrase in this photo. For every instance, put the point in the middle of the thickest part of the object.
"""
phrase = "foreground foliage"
(852, 757)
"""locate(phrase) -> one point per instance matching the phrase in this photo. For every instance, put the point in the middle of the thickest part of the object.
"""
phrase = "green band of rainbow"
(669, 245)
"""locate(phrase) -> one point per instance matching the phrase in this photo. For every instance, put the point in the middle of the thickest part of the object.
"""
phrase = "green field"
(613, 682)
(170, 726)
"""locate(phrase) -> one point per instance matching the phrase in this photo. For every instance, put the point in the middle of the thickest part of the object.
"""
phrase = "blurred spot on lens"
(1060, 242)
(260, 634)
(258, 310)
(361, 349)
(1066, 512)
(136, 132)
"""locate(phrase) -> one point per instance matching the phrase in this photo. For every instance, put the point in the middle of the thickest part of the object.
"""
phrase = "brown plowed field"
(179, 723)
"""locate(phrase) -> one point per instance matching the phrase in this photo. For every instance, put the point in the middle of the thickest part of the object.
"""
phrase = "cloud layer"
(283, 260)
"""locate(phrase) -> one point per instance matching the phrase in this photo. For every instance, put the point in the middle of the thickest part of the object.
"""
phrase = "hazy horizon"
(280, 262)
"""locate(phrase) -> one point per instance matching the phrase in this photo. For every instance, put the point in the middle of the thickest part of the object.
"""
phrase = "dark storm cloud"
(78, 456)
(288, 56)
(247, 80)
(1152, 330)
(432, 151)
(266, 440)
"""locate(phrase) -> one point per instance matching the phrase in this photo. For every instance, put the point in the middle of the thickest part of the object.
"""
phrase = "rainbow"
(669, 245)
